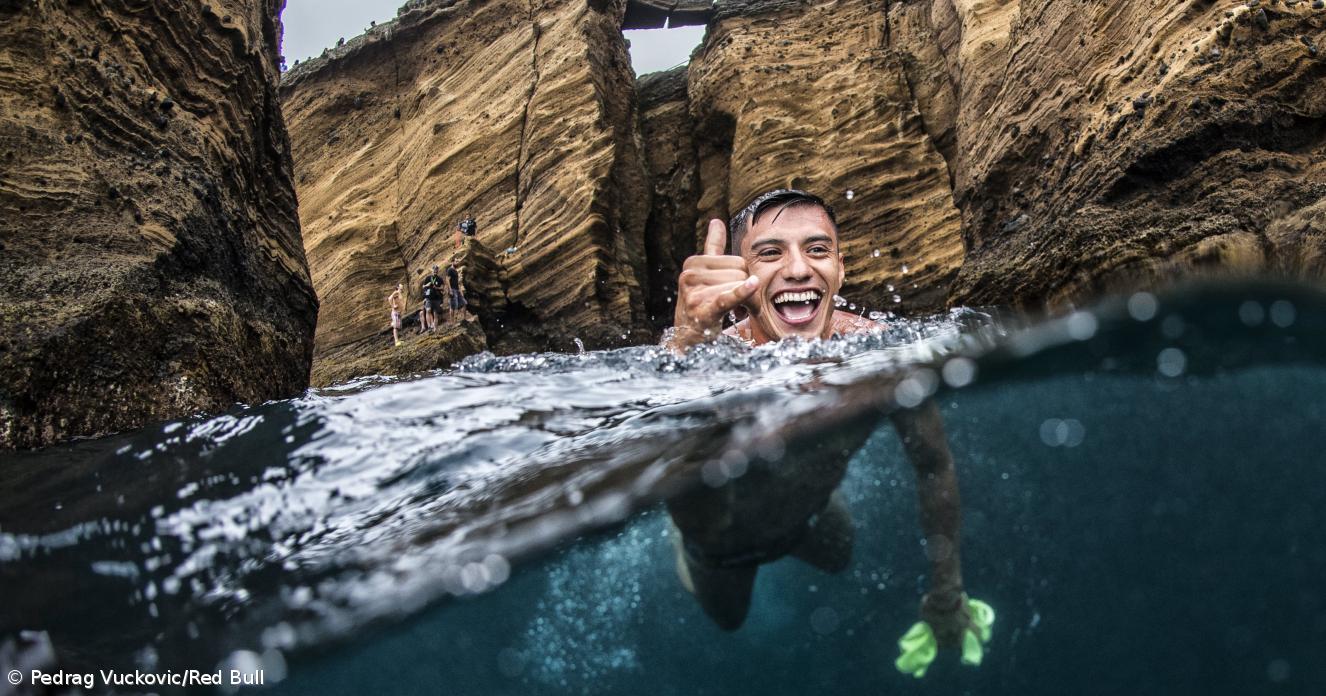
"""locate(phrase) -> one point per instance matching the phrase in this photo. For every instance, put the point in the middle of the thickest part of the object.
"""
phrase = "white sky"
(312, 25)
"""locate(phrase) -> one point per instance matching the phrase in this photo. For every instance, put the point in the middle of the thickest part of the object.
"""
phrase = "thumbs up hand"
(711, 284)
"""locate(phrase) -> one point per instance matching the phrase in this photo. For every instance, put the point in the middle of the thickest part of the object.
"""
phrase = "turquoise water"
(1141, 487)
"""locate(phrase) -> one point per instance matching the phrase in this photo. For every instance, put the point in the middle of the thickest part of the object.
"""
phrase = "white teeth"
(805, 296)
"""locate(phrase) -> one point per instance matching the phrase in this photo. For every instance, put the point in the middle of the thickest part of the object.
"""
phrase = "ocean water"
(1141, 482)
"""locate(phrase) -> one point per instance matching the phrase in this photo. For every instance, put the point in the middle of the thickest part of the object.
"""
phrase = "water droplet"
(1171, 362)
(915, 388)
(875, 253)
(959, 372)
(1142, 306)
(1283, 313)
(1251, 313)
(904, 269)
(897, 299)
(1082, 325)
(850, 194)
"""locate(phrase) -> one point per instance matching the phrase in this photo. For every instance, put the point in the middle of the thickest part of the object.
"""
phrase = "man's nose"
(796, 267)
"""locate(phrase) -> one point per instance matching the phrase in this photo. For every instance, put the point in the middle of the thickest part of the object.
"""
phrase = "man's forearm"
(922, 433)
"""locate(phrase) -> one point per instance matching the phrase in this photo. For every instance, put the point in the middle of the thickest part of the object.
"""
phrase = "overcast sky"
(312, 25)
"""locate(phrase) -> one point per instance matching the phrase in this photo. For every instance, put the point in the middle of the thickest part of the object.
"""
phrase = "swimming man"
(784, 268)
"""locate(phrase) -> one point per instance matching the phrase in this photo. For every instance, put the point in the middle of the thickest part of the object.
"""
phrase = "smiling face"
(794, 252)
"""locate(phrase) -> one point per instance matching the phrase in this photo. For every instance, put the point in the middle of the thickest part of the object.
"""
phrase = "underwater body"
(1141, 484)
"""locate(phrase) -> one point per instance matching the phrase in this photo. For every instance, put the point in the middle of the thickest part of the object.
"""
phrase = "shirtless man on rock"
(784, 266)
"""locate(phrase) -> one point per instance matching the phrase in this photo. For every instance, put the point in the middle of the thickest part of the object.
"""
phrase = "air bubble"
(824, 620)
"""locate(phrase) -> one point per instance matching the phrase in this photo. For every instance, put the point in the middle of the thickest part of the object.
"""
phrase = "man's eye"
(817, 249)
(769, 253)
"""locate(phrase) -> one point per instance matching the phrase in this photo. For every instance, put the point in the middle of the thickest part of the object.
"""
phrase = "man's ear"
(842, 270)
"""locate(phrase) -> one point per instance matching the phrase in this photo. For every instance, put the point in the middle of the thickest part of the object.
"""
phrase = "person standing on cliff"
(785, 267)
(455, 280)
(397, 302)
(432, 290)
(468, 227)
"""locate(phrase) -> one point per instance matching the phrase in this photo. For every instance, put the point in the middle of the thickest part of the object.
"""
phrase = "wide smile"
(797, 308)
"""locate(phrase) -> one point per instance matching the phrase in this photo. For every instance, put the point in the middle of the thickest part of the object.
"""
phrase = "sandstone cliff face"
(1104, 145)
(151, 263)
(519, 113)
(1030, 152)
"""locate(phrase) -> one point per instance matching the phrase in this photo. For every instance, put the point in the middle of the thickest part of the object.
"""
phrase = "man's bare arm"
(922, 433)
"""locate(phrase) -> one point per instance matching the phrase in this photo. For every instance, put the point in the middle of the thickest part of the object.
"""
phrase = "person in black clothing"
(432, 288)
(466, 227)
(457, 293)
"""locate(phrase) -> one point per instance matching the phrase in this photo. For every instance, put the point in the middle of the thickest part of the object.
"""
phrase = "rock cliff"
(1104, 145)
(1027, 152)
(150, 257)
(519, 113)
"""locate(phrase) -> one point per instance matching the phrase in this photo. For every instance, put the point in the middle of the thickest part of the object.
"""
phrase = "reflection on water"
(1138, 503)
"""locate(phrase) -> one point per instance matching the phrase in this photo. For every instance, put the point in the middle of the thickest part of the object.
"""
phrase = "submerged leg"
(827, 544)
(723, 593)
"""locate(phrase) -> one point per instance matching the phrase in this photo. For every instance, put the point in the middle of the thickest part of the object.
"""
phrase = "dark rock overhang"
(657, 14)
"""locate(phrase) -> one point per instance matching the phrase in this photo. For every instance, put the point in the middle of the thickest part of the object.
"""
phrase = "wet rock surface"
(151, 265)
(671, 233)
(416, 352)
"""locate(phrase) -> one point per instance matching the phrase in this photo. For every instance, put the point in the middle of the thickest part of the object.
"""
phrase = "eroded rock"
(128, 292)
(521, 114)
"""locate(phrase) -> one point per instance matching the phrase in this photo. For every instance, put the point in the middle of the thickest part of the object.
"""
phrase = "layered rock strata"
(519, 113)
(1105, 145)
(151, 262)
(977, 151)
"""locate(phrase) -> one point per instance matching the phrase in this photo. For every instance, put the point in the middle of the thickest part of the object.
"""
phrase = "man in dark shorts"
(457, 293)
(432, 290)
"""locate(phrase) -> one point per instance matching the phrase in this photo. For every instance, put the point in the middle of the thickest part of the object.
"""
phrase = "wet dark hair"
(782, 199)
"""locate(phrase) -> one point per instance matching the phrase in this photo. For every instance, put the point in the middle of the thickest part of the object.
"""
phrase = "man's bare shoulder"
(848, 323)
